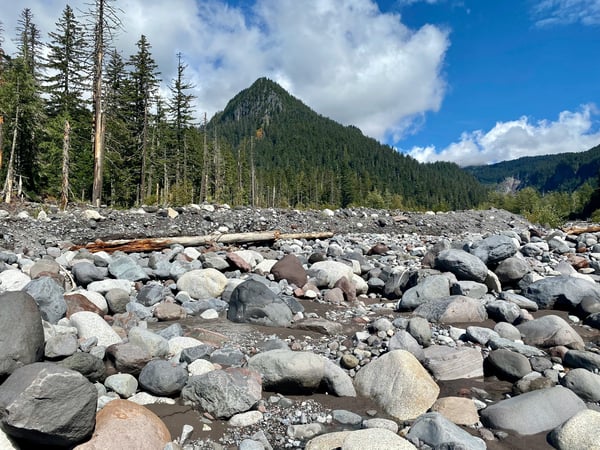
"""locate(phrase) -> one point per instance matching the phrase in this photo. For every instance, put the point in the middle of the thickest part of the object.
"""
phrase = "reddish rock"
(578, 262)
(169, 311)
(290, 268)
(128, 357)
(78, 303)
(347, 288)
(237, 262)
(124, 424)
(378, 249)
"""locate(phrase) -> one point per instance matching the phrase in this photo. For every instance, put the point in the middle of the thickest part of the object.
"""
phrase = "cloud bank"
(571, 132)
(344, 58)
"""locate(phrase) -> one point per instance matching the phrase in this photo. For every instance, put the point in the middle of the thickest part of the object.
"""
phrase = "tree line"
(80, 121)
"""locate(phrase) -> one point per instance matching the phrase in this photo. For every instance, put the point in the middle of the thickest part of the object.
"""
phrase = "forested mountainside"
(105, 133)
(564, 172)
(309, 159)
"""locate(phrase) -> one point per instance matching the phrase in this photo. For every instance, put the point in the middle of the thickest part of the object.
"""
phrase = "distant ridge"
(564, 172)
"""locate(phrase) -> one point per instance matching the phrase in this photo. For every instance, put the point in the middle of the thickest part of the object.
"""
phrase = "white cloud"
(571, 132)
(564, 12)
(343, 58)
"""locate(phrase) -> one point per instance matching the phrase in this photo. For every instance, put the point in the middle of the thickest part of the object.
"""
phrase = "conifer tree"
(65, 84)
(181, 111)
(143, 81)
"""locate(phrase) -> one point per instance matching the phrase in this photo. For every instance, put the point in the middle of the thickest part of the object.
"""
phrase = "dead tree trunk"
(64, 193)
(8, 183)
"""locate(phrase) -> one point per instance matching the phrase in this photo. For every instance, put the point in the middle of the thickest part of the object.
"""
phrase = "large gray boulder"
(253, 302)
(21, 332)
(462, 264)
(533, 412)
(581, 358)
(495, 248)
(399, 384)
(453, 309)
(300, 372)
(550, 331)
(511, 270)
(449, 363)
(584, 383)
(45, 404)
(127, 268)
(49, 296)
(507, 365)
(432, 287)
(224, 393)
(162, 378)
(435, 430)
(561, 292)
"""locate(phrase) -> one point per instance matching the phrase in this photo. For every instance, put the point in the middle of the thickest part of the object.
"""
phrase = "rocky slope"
(402, 330)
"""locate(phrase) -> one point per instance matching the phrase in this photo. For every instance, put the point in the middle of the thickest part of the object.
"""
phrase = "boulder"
(223, 393)
(202, 283)
(290, 268)
(48, 294)
(584, 383)
(579, 432)
(91, 325)
(459, 410)
(495, 248)
(432, 287)
(375, 439)
(462, 264)
(46, 404)
(511, 270)
(13, 280)
(84, 273)
(300, 372)
(127, 425)
(561, 292)
(154, 344)
(151, 293)
(533, 412)
(437, 431)
(162, 378)
(584, 359)
(452, 309)
(448, 363)
(399, 384)
(327, 273)
(253, 302)
(128, 357)
(127, 268)
(550, 331)
(503, 311)
(403, 340)
(88, 365)
(21, 332)
(507, 365)
(123, 384)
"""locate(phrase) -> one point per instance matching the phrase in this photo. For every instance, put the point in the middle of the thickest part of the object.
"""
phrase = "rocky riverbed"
(470, 329)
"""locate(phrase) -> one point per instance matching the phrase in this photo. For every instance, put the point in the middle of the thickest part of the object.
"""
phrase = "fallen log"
(152, 244)
(580, 230)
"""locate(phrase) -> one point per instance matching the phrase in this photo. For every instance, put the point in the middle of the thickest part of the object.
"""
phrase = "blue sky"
(470, 81)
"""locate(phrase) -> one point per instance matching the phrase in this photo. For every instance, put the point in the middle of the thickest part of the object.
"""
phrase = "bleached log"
(152, 244)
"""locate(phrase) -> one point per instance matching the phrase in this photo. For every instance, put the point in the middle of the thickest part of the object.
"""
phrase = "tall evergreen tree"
(144, 83)
(181, 110)
(23, 103)
(65, 83)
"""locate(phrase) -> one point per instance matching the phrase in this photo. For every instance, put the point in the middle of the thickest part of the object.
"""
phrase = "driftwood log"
(580, 230)
(152, 244)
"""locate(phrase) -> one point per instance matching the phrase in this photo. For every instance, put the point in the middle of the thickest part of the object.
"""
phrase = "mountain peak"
(262, 100)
